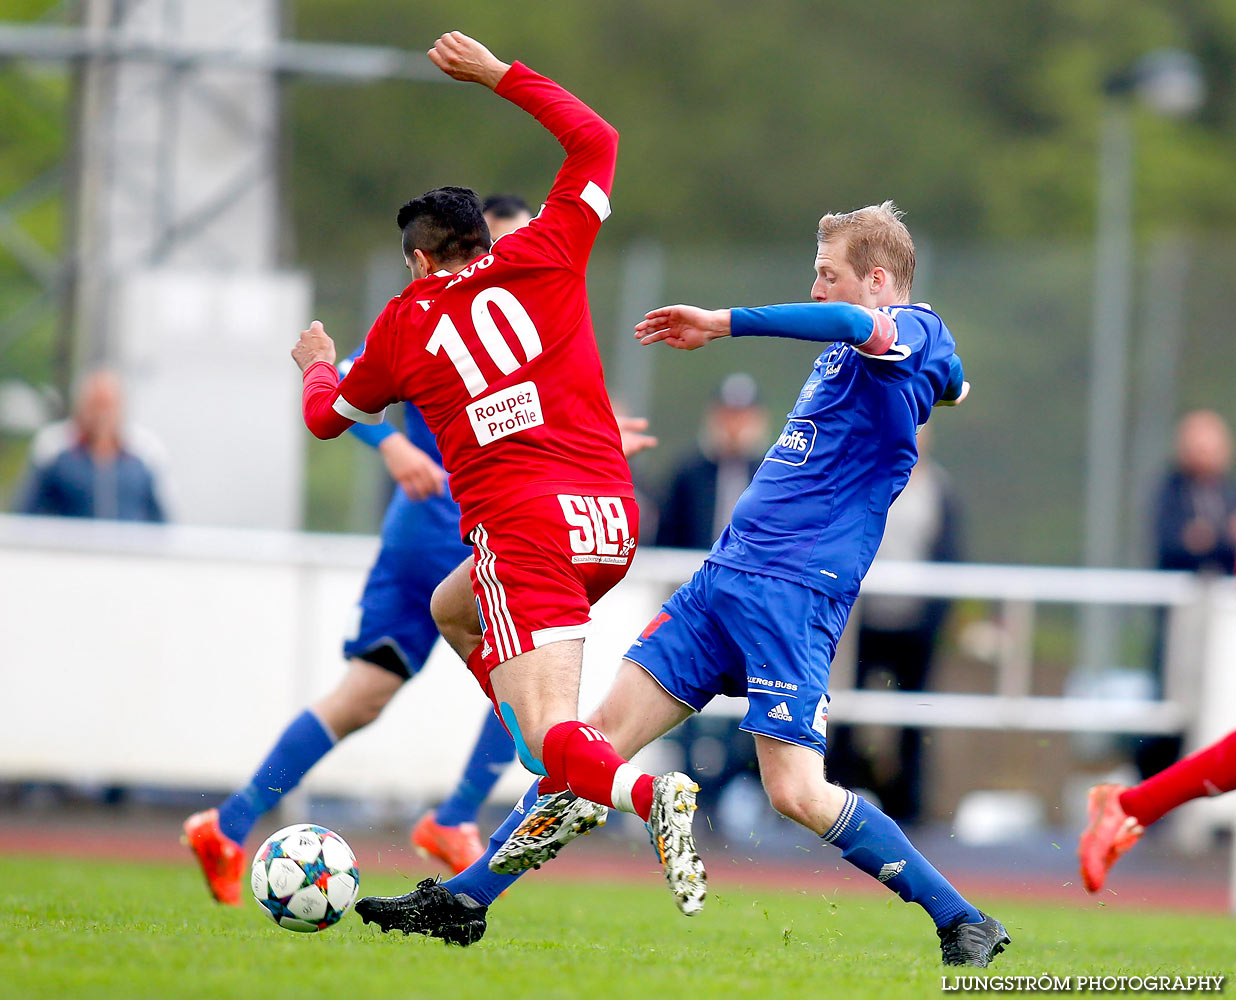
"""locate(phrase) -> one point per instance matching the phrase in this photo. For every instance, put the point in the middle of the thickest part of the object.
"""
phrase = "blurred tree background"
(740, 125)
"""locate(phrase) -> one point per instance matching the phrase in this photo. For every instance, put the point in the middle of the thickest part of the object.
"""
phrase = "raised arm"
(578, 202)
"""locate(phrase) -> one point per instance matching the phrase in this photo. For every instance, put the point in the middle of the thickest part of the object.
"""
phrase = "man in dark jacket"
(702, 494)
(92, 465)
(1195, 517)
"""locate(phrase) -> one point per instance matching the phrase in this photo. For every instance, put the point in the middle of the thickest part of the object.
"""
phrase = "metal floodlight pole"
(1105, 439)
(1169, 82)
(139, 70)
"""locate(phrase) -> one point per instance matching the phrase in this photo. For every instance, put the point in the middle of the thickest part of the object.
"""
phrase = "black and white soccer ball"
(305, 878)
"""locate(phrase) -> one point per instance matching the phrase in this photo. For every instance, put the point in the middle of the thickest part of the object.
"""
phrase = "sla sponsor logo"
(795, 444)
(599, 529)
(504, 413)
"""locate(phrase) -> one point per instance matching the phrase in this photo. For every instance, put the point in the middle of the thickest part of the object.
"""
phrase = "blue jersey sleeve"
(956, 378)
(824, 322)
(372, 434)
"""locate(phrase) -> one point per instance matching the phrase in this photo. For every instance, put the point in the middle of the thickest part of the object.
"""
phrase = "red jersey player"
(495, 346)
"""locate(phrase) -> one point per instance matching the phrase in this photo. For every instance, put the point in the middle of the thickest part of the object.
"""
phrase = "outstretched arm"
(689, 327)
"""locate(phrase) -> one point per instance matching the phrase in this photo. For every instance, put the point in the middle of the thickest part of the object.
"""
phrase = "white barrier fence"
(172, 655)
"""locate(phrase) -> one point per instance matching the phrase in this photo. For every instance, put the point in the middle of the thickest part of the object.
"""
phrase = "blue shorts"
(393, 628)
(740, 634)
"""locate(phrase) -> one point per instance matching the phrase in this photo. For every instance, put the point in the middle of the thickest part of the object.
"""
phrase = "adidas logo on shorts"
(781, 713)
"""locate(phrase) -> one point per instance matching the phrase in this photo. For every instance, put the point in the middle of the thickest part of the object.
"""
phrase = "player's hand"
(631, 429)
(314, 346)
(464, 58)
(961, 396)
(683, 327)
(416, 473)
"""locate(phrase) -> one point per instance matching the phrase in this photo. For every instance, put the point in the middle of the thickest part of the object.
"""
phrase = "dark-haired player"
(762, 617)
(394, 633)
(495, 346)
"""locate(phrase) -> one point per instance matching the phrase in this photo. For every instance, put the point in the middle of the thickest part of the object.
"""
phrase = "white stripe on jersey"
(346, 409)
(595, 199)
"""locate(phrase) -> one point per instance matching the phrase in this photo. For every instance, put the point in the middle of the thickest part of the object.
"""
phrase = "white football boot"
(552, 823)
(669, 826)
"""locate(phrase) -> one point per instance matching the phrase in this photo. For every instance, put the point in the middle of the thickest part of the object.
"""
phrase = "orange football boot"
(1109, 833)
(456, 846)
(221, 858)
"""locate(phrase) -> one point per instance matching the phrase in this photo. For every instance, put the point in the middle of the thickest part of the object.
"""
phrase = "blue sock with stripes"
(494, 750)
(874, 844)
(305, 742)
(477, 882)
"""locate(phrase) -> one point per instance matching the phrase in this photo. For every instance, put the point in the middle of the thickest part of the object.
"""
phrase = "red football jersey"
(501, 358)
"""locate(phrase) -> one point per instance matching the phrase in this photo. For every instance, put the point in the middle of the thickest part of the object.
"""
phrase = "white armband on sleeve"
(346, 409)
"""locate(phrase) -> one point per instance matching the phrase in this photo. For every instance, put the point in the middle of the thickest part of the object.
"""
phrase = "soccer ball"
(305, 877)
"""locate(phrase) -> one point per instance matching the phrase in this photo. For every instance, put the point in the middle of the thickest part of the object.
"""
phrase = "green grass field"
(92, 929)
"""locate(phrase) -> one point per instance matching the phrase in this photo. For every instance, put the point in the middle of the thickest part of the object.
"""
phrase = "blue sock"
(494, 750)
(477, 882)
(305, 742)
(874, 844)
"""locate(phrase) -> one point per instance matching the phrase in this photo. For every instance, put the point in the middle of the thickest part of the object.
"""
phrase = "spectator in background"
(1195, 517)
(1194, 531)
(897, 636)
(702, 494)
(92, 465)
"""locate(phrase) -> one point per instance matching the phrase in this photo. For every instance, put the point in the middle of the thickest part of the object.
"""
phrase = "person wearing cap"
(702, 493)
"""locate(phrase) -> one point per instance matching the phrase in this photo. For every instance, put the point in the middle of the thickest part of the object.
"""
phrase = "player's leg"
(534, 584)
(449, 832)
(1118, 815)
(491, 754)
(636, 711)
(797, 788)
(217, 836)
(538, 691)
(393, 636)
(639, 711)
(454, 611)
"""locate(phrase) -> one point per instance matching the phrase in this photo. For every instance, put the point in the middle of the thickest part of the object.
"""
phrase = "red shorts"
(540, 566)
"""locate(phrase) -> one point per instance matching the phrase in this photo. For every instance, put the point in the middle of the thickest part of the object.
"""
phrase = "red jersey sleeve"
(330, 407)
(578, 203)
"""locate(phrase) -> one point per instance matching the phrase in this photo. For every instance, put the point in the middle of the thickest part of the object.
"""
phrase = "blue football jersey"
(413, 524)
(816, 508)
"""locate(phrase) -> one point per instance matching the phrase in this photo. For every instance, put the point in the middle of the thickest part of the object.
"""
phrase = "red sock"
(1209, 771)
(550, 786)
(583, 759)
